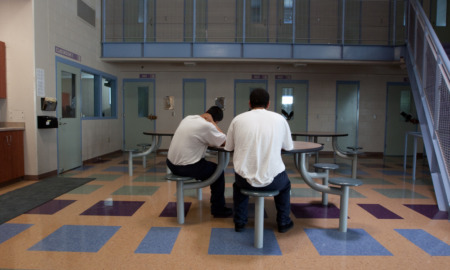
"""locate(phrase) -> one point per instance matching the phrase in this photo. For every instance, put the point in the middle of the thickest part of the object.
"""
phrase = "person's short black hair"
(259, 98)
(216, 113)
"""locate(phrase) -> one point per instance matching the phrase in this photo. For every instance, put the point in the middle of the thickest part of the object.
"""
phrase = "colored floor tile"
(369, 165)
(399, 193)
(348, 172)
(225, 241)
(379, 211)
(426, 241)
(150, 178)
(51, 207)
(375, 181)
(85, 189)
(9, 230)
(171, 209)
(136, 190)
(159, 240)
(113, 208)
(83, 168)
(354, 242)
(305, 192)
(122, 169)
(157, 169)
(76, 238)
(105, 177)
(392, 172)
(419, 181)
(307, 210)
(429, 210)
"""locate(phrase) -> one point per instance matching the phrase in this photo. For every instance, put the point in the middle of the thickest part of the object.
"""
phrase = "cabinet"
(11, 155)
(2, 70)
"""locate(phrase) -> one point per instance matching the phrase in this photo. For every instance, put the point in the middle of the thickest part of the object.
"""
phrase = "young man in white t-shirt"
(257, 138)
(186, 156)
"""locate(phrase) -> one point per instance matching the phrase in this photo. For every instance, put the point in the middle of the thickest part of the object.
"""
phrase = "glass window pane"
(107, 98)
(143, 101)
(88, 94)
(68, 99)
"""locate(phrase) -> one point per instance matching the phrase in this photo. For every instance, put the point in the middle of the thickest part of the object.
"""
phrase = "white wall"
(16, 30)
(322, 79)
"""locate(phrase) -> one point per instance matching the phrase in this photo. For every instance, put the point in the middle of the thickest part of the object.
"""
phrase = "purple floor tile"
(50, 207)
(308, 210)
(171, 209)
(429, 210)
(113, 208)
(379, 211)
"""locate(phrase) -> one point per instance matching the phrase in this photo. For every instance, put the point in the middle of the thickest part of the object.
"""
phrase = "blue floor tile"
(225, 241)
(355, 242)
(159, 240)
(426, 241)
(77, 238)
(117, 169)
(9, 230)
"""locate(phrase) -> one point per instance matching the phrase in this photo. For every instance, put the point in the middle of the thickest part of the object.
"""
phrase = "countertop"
(9, 126)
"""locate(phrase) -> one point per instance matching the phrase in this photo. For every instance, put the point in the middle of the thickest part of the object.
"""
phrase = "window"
(288, 11)
(256, 11)
(98, 96)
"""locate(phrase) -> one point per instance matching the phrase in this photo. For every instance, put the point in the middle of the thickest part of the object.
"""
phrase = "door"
(347, 112)
(292, 103)
(139, 104)
(242, 90)
(69, 117)
(400, 118)
(194, 96)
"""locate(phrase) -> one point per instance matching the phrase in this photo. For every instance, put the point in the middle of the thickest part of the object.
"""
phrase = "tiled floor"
(122, 222)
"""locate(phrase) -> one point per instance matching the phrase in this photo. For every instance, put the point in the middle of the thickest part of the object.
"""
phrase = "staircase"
(429, 71)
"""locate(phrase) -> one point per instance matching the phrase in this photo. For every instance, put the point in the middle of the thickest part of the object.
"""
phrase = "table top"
(299, 147)
(159, 133)
(319, 133)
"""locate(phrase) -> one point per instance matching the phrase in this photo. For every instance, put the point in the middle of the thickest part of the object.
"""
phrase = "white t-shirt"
(191, 139)
(257, 137)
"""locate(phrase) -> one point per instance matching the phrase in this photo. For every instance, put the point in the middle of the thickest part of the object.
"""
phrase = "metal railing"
(428, 68)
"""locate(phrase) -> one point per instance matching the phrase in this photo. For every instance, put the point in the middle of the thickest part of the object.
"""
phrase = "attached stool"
(130, 159)
(144, 146)
(180, 193)
(259, 212)
(345, 184)
(326, 167)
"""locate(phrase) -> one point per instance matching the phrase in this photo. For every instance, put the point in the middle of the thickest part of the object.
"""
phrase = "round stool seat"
(345, 181)
(174, 177)
(326, 166)
(258, 193)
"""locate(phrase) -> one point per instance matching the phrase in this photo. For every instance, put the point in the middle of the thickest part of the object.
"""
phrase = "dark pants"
(202, 170)
(281, 183)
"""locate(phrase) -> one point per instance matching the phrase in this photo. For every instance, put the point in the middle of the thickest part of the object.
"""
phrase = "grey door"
(347, 113)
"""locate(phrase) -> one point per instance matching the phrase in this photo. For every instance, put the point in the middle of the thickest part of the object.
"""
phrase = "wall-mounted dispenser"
(45, 121)
(48, 104)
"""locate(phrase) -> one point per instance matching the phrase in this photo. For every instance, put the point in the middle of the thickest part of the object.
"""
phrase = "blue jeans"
(281, 183)
(202, 170)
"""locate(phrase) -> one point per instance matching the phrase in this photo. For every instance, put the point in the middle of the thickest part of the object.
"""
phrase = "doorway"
(194, 97)
(242, 90)
(400, 118)
(69, 117)
(292, 103)
(139, 107)
(347, 113)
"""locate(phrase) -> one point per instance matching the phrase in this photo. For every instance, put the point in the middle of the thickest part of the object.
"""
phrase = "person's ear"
(268, 104)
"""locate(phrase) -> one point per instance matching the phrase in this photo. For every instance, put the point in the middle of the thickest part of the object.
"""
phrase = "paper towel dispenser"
(45, 121)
